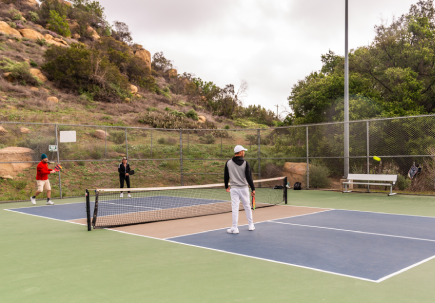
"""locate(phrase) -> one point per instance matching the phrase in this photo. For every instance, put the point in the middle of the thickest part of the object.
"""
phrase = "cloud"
(270, 44)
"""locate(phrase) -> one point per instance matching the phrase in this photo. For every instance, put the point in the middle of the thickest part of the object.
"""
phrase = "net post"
(88, 211)
(285, 190)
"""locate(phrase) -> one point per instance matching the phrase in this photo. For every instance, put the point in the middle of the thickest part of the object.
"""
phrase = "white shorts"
(43, 185)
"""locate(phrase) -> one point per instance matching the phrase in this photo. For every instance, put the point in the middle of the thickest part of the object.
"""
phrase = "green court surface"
(43, 260)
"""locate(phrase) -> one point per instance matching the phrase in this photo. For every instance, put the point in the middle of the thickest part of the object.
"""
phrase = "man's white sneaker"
(121, 195)
(33, 200)
(251, 227)
(49, 202)
(233, 231)
(129, 196)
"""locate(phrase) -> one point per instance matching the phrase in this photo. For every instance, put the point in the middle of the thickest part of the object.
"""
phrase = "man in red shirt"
(42, 182)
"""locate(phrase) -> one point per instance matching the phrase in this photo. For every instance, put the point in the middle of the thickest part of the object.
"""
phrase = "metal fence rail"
(310, 154)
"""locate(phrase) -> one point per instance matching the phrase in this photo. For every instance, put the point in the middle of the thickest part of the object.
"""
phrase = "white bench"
(371, 177)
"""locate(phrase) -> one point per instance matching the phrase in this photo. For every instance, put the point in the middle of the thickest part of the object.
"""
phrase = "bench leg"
(345, 189)
(391, 191)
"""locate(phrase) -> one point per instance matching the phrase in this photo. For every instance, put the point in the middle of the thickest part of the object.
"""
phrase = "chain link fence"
(310, 154)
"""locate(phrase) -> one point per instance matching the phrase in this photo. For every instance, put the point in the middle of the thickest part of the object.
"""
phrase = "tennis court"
(323, 246)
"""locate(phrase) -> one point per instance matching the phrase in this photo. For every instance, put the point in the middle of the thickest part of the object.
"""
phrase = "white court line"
(353, 231)
(405, 269)
(242, 255)
(19, 212)
(363, 211)
(202, 232)
(34, 206)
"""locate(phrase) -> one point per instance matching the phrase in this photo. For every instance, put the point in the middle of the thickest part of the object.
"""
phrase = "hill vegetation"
(100, 75)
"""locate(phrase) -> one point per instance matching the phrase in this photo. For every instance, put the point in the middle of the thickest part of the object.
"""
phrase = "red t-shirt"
(42, 171)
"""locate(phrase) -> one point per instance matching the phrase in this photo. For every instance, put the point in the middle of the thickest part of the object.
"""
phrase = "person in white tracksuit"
(238, 174)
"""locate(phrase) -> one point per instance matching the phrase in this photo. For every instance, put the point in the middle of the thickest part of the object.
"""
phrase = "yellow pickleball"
(376, 158)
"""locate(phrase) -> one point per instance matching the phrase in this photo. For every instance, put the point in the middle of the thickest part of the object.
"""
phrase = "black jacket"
(122, 170)
(248, 174)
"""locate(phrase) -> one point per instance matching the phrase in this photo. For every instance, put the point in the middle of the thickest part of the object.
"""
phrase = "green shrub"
(152, 109)
(207, 139)
(12, 24)
(34, 17)
(19, 71)
(192, 114)
(402, 182)
(168, 109)
(318, 176)
(33, 63)
(172, 165)
(18, 184)
(78, 67)
(167, 141)
(41, 41)
(117, 137)
(97, 152)
(59, 24)
(177, 113)
(226, 127)
(15, 14)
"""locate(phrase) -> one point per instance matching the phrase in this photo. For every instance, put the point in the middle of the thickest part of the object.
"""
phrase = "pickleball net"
(111, 209)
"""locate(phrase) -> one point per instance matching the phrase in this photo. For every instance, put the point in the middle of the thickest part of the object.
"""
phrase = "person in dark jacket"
(238, 174)
(124, 171)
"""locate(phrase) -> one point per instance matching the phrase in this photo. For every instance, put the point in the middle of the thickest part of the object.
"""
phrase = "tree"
(121, 32)
(393, 76)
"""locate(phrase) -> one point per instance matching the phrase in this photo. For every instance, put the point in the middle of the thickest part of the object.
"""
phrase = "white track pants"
(238, 194)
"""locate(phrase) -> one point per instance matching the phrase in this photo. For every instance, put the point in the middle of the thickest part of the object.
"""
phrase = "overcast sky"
(269, 43)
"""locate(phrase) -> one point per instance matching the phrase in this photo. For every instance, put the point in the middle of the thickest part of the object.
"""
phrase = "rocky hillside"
(64, 62)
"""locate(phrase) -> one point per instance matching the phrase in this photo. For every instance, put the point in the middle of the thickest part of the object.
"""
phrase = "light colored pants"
(43, 184)
(238, 194)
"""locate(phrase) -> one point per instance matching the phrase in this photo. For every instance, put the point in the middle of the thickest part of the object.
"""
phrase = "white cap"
(239, 148)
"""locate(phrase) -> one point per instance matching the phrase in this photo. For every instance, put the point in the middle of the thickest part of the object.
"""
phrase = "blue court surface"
(363, 245)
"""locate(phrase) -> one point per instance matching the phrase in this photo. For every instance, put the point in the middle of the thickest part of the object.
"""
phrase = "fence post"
(308, 161)
(57, 144)
(259, 154)
(151, 143)
(126, 144)
(221, 143)
(105, 143)
(188, 142)
(368, 153)
(181, 157)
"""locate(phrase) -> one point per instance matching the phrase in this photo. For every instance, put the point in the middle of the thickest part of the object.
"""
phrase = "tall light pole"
(346, 93)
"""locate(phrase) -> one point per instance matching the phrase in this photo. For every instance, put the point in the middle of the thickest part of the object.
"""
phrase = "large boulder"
(3, 131)
(144, 55)
(133, 89)
(38, 74)
(6, 29)
(15, 154)
(53, 99)
(51, 40)
(24, 130)
(30, 34)
(93, 33)
(202, 119)
(101, 134)
(295, 168)
(31, 3)
(295, 172)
